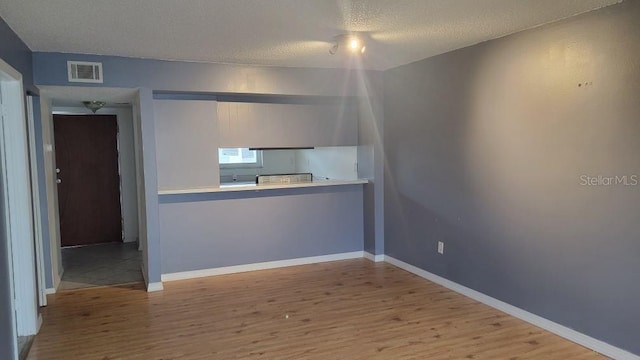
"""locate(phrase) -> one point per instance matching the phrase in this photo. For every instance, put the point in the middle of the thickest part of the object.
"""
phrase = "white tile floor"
(99, 265)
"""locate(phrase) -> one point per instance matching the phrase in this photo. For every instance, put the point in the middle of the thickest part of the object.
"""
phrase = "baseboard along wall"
(260, 266)
(560, 330)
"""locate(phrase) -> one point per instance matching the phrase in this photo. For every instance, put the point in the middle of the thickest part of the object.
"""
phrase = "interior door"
(88, 179)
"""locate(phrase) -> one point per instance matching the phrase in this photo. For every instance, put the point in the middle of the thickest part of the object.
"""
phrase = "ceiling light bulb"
(351, 42)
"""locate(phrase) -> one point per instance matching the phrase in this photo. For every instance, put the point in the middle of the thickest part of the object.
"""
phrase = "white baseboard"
(144, 274)
(57, 279)
(156, 286)
(374, 258)
(561, 330)
(260, 266)
(39, 324)
(151, 287)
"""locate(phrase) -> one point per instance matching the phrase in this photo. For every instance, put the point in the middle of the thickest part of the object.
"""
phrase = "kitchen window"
(234, 158)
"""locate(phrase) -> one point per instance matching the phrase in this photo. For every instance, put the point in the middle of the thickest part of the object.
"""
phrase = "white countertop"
(254, 187)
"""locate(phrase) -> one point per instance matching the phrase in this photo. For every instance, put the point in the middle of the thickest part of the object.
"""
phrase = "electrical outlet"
(440, 247)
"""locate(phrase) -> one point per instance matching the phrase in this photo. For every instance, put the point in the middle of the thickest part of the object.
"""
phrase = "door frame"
(18, 206)
(37, 214)
(71, 93)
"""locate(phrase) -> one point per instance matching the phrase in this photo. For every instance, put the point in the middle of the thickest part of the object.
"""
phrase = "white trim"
(374, 258)
(144, 274)
(18, 202)
(565, 332)
(46, 123)
(151, 287)
(40, 322)
(37, 216)
(9, 70)
(156, 286)
(57, 281)
(57, 278)
(260, 266)
(4, 67)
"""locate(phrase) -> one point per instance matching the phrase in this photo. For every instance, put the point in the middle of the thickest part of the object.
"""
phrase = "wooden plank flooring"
(352, 309)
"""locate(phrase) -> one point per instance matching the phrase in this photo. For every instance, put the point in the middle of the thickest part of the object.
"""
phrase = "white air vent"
(86, 72)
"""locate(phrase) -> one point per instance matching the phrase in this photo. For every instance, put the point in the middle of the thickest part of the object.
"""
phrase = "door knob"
(58, 181)
(57, 170)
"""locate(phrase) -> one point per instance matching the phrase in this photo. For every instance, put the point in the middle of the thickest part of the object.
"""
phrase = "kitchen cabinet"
(286, 125)
(186, 144)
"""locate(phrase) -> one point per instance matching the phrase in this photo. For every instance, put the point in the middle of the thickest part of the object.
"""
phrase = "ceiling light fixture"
(351, 42)
(94, 105)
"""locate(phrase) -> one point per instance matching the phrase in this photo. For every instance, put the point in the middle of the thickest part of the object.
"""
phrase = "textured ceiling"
(295, 33)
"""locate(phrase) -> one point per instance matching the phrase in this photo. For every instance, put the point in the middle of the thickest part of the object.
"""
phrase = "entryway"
(95, 175)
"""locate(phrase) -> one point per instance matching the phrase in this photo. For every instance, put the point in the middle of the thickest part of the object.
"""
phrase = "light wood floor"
(351, 309)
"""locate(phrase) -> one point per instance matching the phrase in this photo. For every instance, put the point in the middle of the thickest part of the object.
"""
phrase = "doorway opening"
(99, 255)
(97, 201)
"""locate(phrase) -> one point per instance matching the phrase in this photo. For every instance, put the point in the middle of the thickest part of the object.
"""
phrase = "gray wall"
(193, 78)
(486, 147)
(371, 158)
(205, 231)
(149, 226)
(51, 69)
(17, 54)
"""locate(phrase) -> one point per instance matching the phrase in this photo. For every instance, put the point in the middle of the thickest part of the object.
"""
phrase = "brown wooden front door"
(89, 181)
